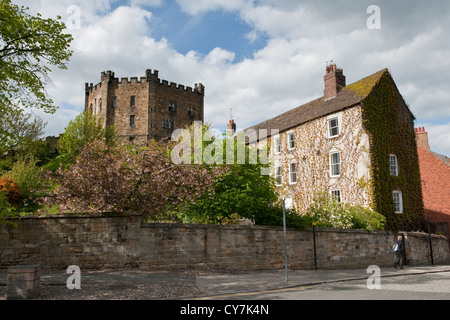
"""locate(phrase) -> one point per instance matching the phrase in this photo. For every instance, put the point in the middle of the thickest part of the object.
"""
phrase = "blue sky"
(259, 57)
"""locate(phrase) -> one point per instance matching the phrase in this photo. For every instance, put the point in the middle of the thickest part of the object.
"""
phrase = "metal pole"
(285, 243)
(314, 240)
(429, 240)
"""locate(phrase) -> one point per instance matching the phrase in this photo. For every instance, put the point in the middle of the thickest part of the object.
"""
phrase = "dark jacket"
(401, 246)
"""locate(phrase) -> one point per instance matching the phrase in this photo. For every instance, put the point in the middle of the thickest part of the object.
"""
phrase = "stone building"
(144, 108)
(356, 142)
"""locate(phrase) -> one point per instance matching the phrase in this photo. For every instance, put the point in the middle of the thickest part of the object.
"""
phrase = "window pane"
(291, 141)
(335, 164)
(398, 201)
(336, 195)
(277, 145)
(393, 165)
(293, 173)
(278, 176)
(333, 127)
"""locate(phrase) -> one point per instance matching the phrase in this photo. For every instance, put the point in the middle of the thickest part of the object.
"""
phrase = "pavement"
(221, 286)
(137, 284)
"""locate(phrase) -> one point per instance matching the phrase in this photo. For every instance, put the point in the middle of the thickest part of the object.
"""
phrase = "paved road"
(430, 286)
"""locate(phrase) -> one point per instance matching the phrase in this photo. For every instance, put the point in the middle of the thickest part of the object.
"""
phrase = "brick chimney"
(422, 138)
(334, 81)
(231, 127)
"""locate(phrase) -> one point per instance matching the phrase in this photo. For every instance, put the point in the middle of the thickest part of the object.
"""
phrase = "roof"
(349, 96)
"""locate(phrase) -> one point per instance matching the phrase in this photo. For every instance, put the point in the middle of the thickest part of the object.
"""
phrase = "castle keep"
(146, 108)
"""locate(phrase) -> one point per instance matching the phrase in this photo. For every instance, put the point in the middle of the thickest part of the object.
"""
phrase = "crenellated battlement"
(140, 108)
(150, 76)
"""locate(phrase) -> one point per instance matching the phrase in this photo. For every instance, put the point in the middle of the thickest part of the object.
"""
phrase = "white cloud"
(286, 72)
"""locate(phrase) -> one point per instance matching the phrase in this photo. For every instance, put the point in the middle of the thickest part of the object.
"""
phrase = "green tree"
(29, 47)
(241, 189)
(18, 131)
(84, 129)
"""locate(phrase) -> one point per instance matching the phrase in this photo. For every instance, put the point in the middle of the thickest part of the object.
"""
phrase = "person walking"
(399, 249)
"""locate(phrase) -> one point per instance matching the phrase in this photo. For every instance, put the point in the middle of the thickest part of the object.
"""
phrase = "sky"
(257, 58)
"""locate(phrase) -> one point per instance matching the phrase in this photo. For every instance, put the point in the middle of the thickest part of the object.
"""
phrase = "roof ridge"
(349, 96)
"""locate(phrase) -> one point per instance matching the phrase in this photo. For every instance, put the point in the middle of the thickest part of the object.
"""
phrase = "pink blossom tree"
(127, 178)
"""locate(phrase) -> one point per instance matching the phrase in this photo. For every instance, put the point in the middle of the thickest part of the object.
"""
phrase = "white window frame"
(277, 145)
(278, 175)
(290, 172)
(289, 141)
(336, 194)
(335, 164)
(329, 128)
(393, 165)
(398, 201)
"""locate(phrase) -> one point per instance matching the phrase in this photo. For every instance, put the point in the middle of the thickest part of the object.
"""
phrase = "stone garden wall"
(125, 242)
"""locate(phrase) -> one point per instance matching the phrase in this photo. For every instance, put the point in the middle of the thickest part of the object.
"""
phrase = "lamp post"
(285, 242)
(314, 224)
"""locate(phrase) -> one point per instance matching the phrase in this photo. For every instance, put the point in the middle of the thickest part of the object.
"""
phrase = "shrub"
(329, 213)
(11, 189)
(26, 174)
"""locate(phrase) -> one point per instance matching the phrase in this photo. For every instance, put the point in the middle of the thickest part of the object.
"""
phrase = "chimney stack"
(422, 138)
(334, 81)
(231, 127)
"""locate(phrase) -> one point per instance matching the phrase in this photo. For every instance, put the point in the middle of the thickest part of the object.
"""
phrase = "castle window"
(398, 201)
(164, 123)
(91, 108)
(132, 120)
(278, 176)
(172, 106)
(333, 127)
(114, 104)
(393, 164)
(100, 106)
(292, 173)
(190, 111)
(336, 195)
(132, 101)
(277, 145)
(335, 164)
(291, 140)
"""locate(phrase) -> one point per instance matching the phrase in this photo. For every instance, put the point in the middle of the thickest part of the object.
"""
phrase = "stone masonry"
(123, 241)
(145, 108)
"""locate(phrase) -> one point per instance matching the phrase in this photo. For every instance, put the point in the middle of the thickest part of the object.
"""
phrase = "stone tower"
(146, 108)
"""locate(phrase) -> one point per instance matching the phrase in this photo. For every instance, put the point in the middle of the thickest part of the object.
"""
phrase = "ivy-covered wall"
(390, 125)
